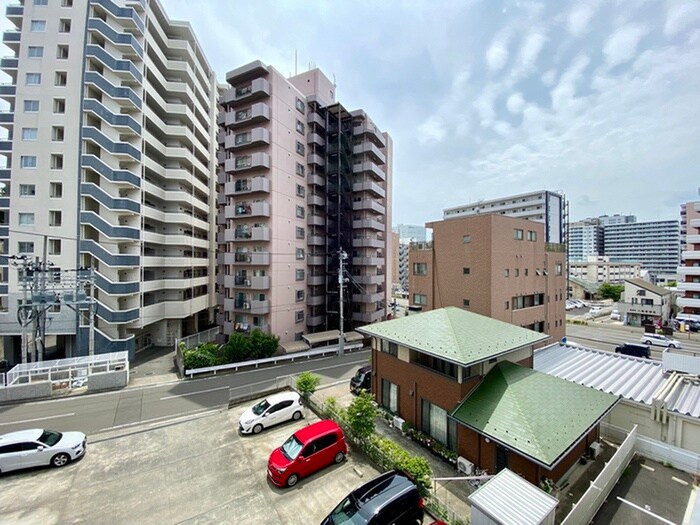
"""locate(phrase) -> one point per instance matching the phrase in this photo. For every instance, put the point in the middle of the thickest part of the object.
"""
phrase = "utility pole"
(42, 300)
(91, 342)
(341, 281)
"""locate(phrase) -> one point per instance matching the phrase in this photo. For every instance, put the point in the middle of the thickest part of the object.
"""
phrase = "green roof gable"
(454, 334)
(535, 414)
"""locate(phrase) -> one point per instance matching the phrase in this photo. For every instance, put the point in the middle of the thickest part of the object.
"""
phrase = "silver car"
(37, 447)
(271, 411)
(660, 340)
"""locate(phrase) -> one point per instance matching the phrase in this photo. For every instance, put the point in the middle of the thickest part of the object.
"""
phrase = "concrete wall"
(107, 380)
(26, 391)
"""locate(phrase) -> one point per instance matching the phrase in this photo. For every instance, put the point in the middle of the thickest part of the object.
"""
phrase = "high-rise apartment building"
(411, 233)
(585, 239)
(110, 162)
(543, 206)
(300, 179)
(689, 270)
(609, 220)
(492, 265)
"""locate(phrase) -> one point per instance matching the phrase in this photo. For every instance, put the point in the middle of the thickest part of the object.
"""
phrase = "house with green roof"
(467, 381)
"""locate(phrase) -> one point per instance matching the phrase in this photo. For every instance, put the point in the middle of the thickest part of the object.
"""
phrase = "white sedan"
(271, 411)
(37, 447)
(660, 340)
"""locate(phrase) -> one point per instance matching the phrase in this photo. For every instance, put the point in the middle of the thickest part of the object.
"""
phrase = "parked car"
(595, 310)
(306, 451)
(615, 315)
(693, 326)
(660, 340)
(272, 410)
(569, 305)
(634, 349)
(391, 498)
(362, 380)
(37, 447)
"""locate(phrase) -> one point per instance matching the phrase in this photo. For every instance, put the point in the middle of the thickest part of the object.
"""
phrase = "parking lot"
(195, 471)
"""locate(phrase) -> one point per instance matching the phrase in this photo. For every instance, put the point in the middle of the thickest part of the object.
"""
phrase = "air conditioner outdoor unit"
(465, 466)
(596, 449)
(398, 422)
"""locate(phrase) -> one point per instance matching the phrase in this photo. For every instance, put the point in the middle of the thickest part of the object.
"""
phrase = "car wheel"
(339, 457)
(60, 460)
(257, 429)
(296, 416)
(292, 480)
(647, 342)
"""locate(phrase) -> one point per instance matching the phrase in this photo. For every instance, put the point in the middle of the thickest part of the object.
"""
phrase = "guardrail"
(255, 363)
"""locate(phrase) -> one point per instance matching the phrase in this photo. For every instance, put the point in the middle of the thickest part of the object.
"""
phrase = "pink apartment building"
(689, 271)
(300, 178)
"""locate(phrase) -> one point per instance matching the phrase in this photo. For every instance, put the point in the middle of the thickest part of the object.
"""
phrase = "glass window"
(41, 2)
(506, 272)
(300, 105)
(31, 106)
(300, 295)
(301, 191)
(56, 190)
(56, 161)
(466, 271)
(29, 133)
(467, 239)
(299, 316)
(420, 299)
(25, 247)
(557, 268)
(242, 138)
(300, 169)
(54, 246)
(61, 78)
(531, 235)
(300, 127)
(390, 396)
(66, 3)
(27, 190)
(55, 218)
(518, 234)
(300, 274)
(27, 161)
(300, 254)
(64, 25)
(57, 133)
(26, 219)
(37, 26)
(300, 232)
(301, 212)
(244, 162)
(420, 269)
(35, 52)
(62, 52)
(301, 149)
(33, 79)
(59, 105)
(465, 303)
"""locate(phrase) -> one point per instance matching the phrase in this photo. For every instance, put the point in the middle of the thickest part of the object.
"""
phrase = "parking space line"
(681, 481)
(194, 393)
(645, 511)
(650, 469)
(38, 419)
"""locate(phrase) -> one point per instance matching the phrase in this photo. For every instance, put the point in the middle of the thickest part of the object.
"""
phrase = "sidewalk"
(153, 366)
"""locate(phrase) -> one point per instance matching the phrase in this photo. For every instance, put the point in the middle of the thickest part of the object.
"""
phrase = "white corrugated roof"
(632, 378)
(510, 500)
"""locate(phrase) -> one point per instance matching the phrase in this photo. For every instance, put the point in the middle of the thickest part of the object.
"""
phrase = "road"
(121, 409)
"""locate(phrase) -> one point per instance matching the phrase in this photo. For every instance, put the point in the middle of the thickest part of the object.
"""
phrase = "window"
(31, 106)
(61, 78)
(59, 105)
(57, 133)
(300, 254)
(26, 219)
(62, 52)
(35, 52)
(300, 232)
(55, 218)
(29, 133)
(242, 138)
(518, 235)
(27, 161)
(390, 396)
(299, 316)
(56, 190)
(66, 3)
(517, 272)
(300, 169)
(299, 295)
(244, 162)
(64, 25)
(526, 271)
(465, 302)
(41, 2)
(33, 79)
(420, 299)
(300, 127)
(466, 271)
(25, 247)
(435, 423)
(54, 246)
(243, 114)
(557, 269)
(467, 239)
(531, 236)
(420, 269)
(300, 274)
(56, 161)
(37, 26)
(301, 212)
(301, 149)
(301, 107)
(301, 191)
(506, 272)
(27, 190)
(507, 305)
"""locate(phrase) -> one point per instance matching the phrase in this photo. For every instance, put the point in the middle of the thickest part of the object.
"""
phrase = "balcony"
(316, 280)
(688, 287)
(369, 204)
(239, 141)
(685, 302)
(695, 223)
(241, 187)
(692, 239)
(315, 199)
(368, 297)
(371, 150)
(371, 224)
(314, 158)
(316, 179)
(8, 91)
(243, 163)
(369, 167)
(9, 63)
(315, 320)
(11, 39)
(252, 258)
(692, 255)
(367, 242)
(256, 90)
(368, 317)
(315, 138)
(317, 260)
(369, 279)
(316, 119)
(372, 132)
(259, 307)
(316, 300)
(369, 186)
(259, 112)
(316, 240)
(315, 220)
(689, 270)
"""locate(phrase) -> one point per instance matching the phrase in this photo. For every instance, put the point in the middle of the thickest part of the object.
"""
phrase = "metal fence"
(587, 507)
(207, 336)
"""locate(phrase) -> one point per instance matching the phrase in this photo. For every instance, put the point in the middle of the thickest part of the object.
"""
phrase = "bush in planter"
(306, 384)
(415, 466)
(361, 415)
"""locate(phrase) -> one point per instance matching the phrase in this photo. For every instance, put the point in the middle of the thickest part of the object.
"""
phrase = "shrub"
(361, 415)
(196, 358)
(262, 345)
(306, 384)
(415, 466)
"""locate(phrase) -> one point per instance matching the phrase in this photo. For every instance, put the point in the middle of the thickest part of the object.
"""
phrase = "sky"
(598, 100)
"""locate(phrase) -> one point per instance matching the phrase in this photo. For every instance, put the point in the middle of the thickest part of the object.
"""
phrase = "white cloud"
(515, 103)
(682, 17)
(622, 45)
(497, 53)
(432, 130)
(563, 95)
(531, 49)
(549, 78)
(579, 18)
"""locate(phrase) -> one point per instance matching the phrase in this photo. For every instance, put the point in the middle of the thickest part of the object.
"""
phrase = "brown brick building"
(493, 265)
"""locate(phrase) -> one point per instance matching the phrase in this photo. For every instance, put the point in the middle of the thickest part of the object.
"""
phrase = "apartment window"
(420, 269)
(435, 423)
(301, 149)
(57, 133)
(300, 127)
(64, 25)
(300, 274)
(244, 162)
(531, 236)
(41, 2)
(465, 303)
(300, 169)
(54, 246)
(66, 3)
(27, 161)
(299, 295)
(557, 269)
(466, 271)
(33, 79)
(506, 273)
(301, 212)
(420, 299)
(517, 272)
(37, 26)
(55, 218)
(243, 114)
(29, 133)
(300, 232)
(467, 239)
(56, 190)
(59, 105)
(507, 305)
(61, 78)
(35, 52)
(518, 235)
(242, 138)
(31, 106)
(56, 161)
(300, 105)
(25, 247)
(300, 254)
(299, 316)
(26, 219)
(301, 191)
(390, 396)
(62, 52)
(27, 190)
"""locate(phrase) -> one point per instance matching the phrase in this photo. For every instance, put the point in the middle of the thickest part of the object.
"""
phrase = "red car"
(307, 450)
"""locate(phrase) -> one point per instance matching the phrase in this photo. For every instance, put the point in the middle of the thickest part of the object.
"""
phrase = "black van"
(362, 380)
(391, 498)
(633, 349)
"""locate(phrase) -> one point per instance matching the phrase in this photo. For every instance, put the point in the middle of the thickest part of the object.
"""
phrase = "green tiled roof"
(454, 334)
(535, 414)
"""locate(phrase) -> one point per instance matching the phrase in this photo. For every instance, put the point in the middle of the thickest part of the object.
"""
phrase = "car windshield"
(261, 407)
(345, 512)
(291, 448)
(50, 438)
(359, 376)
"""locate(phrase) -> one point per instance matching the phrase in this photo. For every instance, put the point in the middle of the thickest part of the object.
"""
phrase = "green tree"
(611, 291)
(361, 415)
(262, 345)
(306, 384)
(237, 348)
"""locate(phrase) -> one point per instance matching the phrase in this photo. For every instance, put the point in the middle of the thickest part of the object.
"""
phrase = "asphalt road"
(120, 409)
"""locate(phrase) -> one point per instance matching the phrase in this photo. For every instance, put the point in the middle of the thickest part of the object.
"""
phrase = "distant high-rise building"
(585, 239)
(540, 206)
(408, 233)
(609, 220)
(300, 179)
(689, 271)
